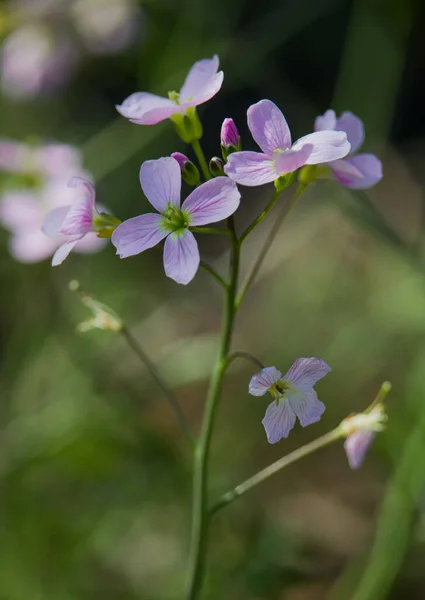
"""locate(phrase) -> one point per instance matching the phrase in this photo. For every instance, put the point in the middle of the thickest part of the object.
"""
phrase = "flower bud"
(190, 173)
(229, 138)
(216, 166)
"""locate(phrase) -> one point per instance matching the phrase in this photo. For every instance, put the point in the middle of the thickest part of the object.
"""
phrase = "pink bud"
(229, 134)
(182, 159)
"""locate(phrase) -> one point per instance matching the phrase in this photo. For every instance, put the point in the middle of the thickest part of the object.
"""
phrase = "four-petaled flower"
(211, 202)
(280, 156)
(201, 84)
(357, 171)
(293, 395)
(360, 430)
(71, 223)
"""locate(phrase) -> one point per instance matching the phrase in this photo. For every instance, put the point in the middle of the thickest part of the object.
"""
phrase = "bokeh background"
(95, 477)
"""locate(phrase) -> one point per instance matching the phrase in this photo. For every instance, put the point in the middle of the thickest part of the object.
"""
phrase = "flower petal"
(19, 210)
(202, 82)
(147, 109)
(356, 445)
(138, 234)
(278, 421)
(327, 146)
(31, 246)
(250, 168)
(353, 127)
(268, 127)
(291, 160)
(306, 371)
(79, 218)
(361, 171)
(90, 243)
(161, 182)
(181, 256)
(212, 201)
(306, 406)
(263, 380)
(62, 252)
(53, 221)
(326, 121)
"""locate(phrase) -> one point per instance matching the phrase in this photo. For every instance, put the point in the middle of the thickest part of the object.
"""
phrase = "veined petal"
(306, 405)
(84, 188)
(263, 380)
(161, 182)
(79, 219)
(181, 256)
(291, 160)
(202, 82)
(268, 127)
(356, 445)
(353, 127)
(307, 371)
(327, 146)
(138, 234)
(361, 171)
(63, 251)
(212, 201)
(278, 421)
(250, 168)
(147, 109)
(53, 221)
(326, 121)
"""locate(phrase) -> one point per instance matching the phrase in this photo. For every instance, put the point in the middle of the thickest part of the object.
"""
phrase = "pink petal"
(268, 127)
(327, 146)
(353, 127)
(19, 210)
(62, 252)
(212, 201)
(278, 421)
(138, 234)
(161, 182)
(291, 160)
(356, 445)
(31, 246)
(147, 109)
(79, 218)
(326, 121)
(264, 380)
(307, 371)
(361, 171)
(306, 406)
(90, 243)
(181, 256)
(202, 82)
(250, 168)
(54, 220)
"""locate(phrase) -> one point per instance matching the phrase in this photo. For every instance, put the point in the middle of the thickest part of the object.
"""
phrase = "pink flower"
(160, 179)
(357, 171)
(229, 137)
(293, 395)
(279, 155)
(201, 84)
(360, 430)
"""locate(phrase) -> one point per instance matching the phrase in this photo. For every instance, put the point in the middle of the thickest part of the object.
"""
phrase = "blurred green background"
(95, 476)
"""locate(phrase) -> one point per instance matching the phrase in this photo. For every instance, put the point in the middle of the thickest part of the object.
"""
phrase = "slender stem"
(201, 159)
(135, 346)
(214, 273)
(275, 467)
(218, 230)
(260, 217)
(269, 241)
(246, 356)
(200, 519)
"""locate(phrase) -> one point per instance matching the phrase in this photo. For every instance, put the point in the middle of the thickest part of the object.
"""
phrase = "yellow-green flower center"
(175, 219)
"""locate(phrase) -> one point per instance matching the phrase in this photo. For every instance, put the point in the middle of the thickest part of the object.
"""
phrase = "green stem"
(214, 273)
(201, 159)
(275, 467)
(200, 518)
(269, 241)
(260, 217)
(218, 230)
(135, 346)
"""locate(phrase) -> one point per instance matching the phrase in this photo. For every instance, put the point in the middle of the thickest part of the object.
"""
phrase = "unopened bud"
(190, 173)
(216, 166)
(229, 138)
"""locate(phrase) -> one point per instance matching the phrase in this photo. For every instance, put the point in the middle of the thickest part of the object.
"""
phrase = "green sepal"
(284, 181)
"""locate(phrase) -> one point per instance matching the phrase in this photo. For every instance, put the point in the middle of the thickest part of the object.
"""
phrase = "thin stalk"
(214, 273)
(212, 230)
(246, 356)
(269, 241)
(260, 217)
(200, 518)
(201, 159)
(135, 346)
(275, 467)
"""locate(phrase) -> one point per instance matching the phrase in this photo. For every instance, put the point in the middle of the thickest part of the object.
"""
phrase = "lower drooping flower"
(293, 396)
(211, 202)
(71, 223)
(356, 171)
(360, 430)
